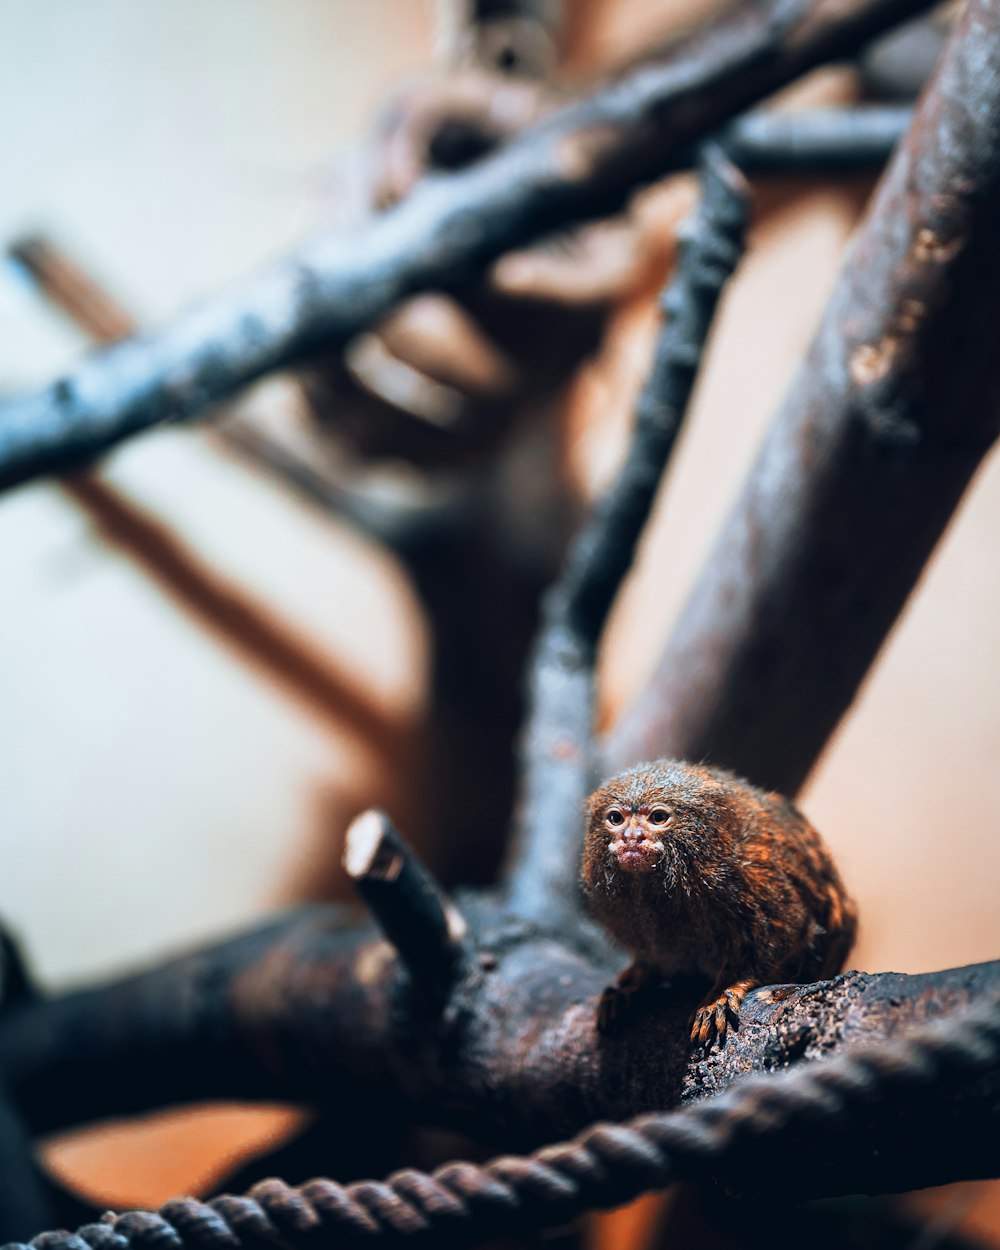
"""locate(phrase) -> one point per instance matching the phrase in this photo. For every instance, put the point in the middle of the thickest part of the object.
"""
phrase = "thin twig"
(67, 284)
(885, 425)
(581, 162)
(555, 754)
(424, 926)
(815, 140)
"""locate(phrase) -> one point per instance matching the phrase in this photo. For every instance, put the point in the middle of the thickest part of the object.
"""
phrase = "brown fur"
(736, 886)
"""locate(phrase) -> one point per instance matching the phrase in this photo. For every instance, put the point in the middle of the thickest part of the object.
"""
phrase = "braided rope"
(460, 1204)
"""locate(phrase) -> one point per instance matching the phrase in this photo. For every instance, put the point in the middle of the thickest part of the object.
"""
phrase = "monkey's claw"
(713, 1019)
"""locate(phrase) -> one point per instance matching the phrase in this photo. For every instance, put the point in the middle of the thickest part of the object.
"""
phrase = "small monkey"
(696, 871)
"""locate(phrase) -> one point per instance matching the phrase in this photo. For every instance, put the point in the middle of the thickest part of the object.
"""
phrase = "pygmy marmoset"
(696, 871)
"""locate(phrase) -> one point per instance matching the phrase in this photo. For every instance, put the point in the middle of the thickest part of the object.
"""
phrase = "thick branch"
(310, 1010)
(555, 754)
(841, 1126)
(887, 422)
(582, 162)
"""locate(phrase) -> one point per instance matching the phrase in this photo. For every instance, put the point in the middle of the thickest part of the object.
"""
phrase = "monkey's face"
(635, 832)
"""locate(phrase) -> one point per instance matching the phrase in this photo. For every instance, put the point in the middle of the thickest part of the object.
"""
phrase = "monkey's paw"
(613, 1008)
(619, 1000)
(714, 1018)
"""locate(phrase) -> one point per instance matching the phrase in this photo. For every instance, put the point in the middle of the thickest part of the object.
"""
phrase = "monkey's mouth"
(637, 856)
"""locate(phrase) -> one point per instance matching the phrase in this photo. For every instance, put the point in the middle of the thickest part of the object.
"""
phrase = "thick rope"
(462, 1204)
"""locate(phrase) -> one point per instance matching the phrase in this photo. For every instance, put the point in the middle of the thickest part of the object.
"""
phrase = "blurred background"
(204, 675)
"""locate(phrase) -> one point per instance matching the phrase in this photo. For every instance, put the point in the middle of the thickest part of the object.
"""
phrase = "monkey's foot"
(619, 1000)
(712, 1020)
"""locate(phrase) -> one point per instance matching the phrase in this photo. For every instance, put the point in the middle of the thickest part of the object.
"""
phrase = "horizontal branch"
(581, 162)
(842, 1126)
(310, 1009)
(816, 140)
(884, 427)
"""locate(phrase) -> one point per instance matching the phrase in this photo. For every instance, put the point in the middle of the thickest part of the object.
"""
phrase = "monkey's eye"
(614, 816)
(659, 816)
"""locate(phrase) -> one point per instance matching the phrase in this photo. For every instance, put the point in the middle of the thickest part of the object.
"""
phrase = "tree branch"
(311, 1009)
(791, 1134)
(888, 420)
(581, 162)
(555, 751)
(424, 926)
(815, 140)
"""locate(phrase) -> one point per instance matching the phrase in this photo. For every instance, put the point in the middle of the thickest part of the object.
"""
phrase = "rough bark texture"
(894, 410)
(312, 1008)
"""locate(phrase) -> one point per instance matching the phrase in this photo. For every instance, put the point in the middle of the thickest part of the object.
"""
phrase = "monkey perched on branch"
(696, 872)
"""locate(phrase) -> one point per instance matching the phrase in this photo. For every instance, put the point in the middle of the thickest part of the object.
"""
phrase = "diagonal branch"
(582, 162)
(885, 425)
(424, 926)
(555, 752)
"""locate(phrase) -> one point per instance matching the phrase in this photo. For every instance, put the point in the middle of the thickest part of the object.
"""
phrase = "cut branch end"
(423, 924)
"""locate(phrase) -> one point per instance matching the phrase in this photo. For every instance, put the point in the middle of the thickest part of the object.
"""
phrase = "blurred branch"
(815, 140)
(25, 1205)
(67, 284)
(555, 751)
(889, 418)
(579, 163)
(93, 309)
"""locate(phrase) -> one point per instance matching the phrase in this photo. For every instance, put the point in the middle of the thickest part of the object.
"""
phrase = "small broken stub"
(368, 852)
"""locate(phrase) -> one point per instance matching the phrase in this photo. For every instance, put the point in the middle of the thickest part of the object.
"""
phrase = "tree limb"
(885, 425)
(581, 162)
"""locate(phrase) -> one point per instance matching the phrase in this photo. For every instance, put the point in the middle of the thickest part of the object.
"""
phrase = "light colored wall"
(155, 782)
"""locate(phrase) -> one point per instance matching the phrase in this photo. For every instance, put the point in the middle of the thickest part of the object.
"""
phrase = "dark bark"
(415, 916)
(312, 1009)
(25, 1204)
(581, 162)
(892, 413)
(556, 743)
(843, 1125)
(815, 140)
